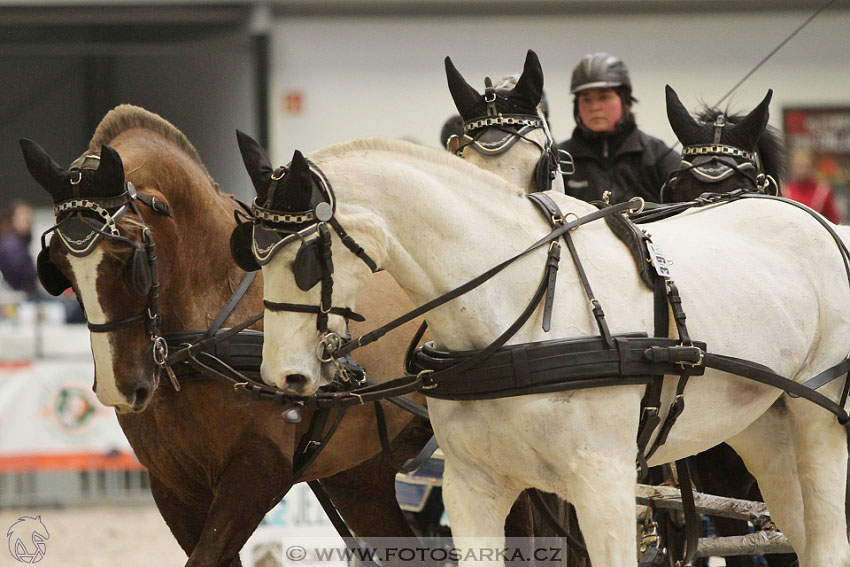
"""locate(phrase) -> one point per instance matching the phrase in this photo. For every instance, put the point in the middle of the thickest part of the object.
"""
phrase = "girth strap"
(550, 366)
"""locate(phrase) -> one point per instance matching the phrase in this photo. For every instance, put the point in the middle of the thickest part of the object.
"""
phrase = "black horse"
(723, 152)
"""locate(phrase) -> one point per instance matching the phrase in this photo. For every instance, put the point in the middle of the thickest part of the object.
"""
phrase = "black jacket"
(628, 163)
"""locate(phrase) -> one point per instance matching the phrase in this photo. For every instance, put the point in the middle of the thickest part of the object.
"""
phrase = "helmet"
(598, 71)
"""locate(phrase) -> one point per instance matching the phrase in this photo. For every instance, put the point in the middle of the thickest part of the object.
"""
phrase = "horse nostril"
(296, 380)
(140, 397)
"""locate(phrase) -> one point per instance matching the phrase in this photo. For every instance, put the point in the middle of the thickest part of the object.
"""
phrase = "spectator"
(609, 151)
(16, 263)
(806, 188)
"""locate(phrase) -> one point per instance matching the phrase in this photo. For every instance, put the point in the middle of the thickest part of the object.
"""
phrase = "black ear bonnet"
(716, 149)
(290, 202)
(504, 114)
(89, 200)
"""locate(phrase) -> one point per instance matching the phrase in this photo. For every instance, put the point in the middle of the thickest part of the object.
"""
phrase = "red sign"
(293, 102)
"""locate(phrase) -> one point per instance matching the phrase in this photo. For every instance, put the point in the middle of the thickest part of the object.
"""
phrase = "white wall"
(384, 76)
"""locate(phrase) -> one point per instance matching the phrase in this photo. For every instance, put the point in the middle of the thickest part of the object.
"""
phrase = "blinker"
(307, 266)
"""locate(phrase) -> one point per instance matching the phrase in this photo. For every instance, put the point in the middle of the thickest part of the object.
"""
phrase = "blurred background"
(307, 73)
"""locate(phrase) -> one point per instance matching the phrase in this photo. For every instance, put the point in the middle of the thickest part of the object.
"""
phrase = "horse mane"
(127, 116)
(771, 147)
(433, 155)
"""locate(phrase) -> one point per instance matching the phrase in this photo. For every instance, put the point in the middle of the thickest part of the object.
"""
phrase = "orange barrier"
(69, 462)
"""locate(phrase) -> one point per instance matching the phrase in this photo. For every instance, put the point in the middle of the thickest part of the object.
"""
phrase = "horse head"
(723, 152)
(511, 111)
(103, 247)
(293, 233)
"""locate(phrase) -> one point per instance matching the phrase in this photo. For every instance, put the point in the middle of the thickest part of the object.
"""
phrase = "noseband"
(79, 234)
(716, 162)
(496, 133)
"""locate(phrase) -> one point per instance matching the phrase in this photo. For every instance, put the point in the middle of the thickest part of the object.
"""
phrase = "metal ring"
(160, 351)
(640, 208)
(578, 220)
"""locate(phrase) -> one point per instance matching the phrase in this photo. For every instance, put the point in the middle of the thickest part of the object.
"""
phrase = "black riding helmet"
(599, 71)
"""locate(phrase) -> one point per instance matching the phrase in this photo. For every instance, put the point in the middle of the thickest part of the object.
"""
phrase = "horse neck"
(434, 215)
(201, 274)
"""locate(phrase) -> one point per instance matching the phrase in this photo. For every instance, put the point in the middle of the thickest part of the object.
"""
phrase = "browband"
(717, 149)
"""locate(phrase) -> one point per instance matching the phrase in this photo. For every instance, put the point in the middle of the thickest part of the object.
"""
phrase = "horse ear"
(529, 86)
(687, 129)
(750, 128)
(49, 174)
(465, 97)
(296, 190)
(109, 177)
(256, 163)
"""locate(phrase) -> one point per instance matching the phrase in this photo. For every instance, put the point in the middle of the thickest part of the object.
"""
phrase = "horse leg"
(768, 452)
(240, 501)
(601, 488)
(821, 445)
(477, 505)
(184, 516)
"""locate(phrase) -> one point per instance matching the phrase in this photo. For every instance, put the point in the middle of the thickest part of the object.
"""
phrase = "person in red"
(804, 187)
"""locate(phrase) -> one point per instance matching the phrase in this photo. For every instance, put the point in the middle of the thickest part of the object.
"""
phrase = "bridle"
(79, 234)
(274, 229)
(495, 133)
(716, 162)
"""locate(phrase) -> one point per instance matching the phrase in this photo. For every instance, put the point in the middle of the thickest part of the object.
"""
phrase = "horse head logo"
(27, 539)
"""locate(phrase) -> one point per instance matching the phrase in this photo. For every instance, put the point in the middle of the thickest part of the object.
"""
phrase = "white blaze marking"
(85, 274)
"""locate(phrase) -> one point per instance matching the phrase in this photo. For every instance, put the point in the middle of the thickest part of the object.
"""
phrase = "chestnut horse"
(218, 460)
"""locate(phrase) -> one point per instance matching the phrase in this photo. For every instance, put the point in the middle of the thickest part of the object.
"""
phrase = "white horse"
(760, 280)
(515, 143)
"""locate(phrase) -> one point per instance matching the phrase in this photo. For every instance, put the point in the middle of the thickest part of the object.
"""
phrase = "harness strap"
(231, 304)
(376, 334)
(692, 525)
(765, 375)
(115, 325)
(313, 442)
(190, 350)
(344, 312)
(332, 514)
(651, 402)
(352, 245)
(411, 465)
(598, 313)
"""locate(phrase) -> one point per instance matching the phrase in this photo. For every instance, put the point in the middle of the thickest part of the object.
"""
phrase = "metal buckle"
(420, 376)
(699, 360)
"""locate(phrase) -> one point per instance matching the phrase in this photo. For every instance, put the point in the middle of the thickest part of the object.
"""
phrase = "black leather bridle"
(314, 262)
(482, 134)
(79, 213)
(716, 162)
